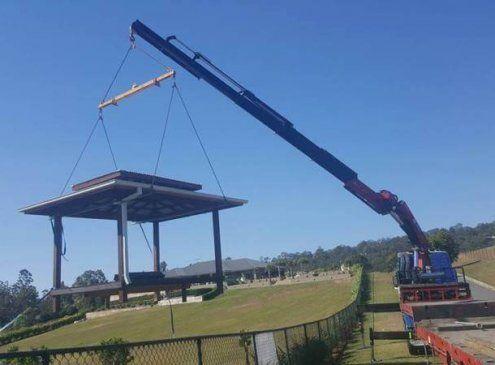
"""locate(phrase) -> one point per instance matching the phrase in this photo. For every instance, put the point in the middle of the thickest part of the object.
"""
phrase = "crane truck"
(432, 297)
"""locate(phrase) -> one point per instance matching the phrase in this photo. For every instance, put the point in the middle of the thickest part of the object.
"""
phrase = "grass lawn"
(386, 352)
(483, 270)
(249, 309)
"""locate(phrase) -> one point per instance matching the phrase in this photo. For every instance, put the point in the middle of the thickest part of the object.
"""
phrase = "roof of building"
(149, 199)
(137, 177)
(208, 267)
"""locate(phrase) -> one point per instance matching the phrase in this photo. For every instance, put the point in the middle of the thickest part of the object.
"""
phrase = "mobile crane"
(436, 307)
(383, 202)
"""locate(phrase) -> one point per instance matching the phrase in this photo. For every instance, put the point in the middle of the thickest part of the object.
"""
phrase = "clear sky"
(402, 91)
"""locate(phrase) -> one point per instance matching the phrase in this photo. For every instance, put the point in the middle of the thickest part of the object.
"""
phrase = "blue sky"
(401, 91)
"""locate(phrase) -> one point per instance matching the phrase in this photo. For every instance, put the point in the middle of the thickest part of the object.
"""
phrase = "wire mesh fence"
(278, 346)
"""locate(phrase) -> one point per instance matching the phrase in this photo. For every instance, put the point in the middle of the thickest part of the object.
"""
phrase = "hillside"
(484, 269)
(249, 309)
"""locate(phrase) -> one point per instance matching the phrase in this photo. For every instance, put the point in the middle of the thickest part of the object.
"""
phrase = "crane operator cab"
(410, 270)
(434, 282)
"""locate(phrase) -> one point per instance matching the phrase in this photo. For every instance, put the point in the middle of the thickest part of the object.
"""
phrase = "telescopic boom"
(383, 202)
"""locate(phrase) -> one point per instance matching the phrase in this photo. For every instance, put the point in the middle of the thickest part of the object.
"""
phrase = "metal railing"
(277, 346)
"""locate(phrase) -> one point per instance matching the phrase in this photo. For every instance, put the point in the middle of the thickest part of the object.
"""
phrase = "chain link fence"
(278, 346)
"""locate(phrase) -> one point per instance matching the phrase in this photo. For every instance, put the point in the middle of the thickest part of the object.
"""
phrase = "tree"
(17, 298)
(90, 277)
(87, 278)
(6, 300)
(443, 240)
(24, 292)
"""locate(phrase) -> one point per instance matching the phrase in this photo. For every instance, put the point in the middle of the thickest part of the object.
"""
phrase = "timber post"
(156, 252)
(218, 252)
(120, 242)
(57, 259)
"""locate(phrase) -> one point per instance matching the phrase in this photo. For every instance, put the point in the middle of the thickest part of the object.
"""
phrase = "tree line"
(380, 255)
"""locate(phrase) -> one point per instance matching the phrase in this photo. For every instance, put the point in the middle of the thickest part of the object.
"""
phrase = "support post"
(218, 252)
(183, 291)
(57, 260)
(156, 252)
(120, 238)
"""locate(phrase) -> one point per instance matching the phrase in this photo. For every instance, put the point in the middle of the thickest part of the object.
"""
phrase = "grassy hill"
(484, 270)
(249, 309)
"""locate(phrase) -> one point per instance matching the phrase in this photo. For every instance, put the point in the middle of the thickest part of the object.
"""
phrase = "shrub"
(22, 333)
(211, 294)
(245, 343)
(133, 302)
(115, 355)
(314, 352)
(190, 291)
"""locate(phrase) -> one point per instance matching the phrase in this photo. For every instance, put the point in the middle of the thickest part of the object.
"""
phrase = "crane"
(383, 202)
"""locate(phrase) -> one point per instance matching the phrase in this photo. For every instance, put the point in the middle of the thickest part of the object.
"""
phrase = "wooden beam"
(136, 89)
(218, 251)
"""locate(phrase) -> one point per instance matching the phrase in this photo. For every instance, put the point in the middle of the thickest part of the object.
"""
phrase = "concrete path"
(480, 292)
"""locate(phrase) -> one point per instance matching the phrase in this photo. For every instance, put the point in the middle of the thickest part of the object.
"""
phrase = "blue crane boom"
(382, 202)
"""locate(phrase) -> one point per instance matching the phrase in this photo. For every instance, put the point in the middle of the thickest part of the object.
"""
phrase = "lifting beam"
(136, 89)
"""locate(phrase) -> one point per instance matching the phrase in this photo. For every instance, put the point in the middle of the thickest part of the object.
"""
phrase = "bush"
(115, 355)
(312, 353)
(190, 291)
(16, 335)
(134, 302)
(213, 293)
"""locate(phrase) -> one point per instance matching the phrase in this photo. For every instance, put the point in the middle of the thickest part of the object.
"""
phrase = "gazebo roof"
(149, 199)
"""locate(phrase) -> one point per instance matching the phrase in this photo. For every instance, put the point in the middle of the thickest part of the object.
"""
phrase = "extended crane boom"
(383, 202)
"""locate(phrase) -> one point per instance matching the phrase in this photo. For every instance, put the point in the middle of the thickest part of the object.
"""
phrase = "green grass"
(249, 309)
(484, 270)
(386, 352)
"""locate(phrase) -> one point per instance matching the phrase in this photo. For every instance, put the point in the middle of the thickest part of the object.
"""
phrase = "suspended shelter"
(123, 197)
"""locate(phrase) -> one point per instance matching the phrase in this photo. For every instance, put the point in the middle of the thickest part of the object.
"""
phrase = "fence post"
(287, 345)
(347, 323)
(305, 333)
(372, 344)
(45, 358)
(336, 327)
(255, 350)
(200, 351)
